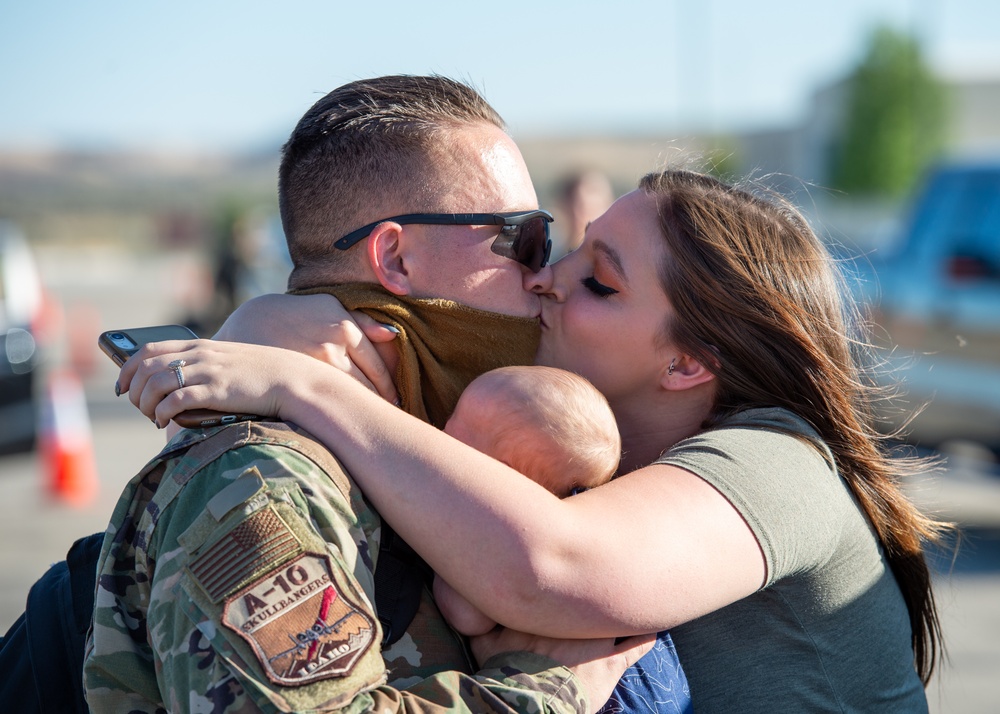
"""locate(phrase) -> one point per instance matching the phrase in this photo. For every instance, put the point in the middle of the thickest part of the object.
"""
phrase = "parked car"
(20, 312)
(937, 296)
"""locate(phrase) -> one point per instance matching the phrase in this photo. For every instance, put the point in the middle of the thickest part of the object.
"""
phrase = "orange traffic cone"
(65, 440)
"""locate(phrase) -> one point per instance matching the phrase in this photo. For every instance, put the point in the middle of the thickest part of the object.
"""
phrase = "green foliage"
(895, 122)
(722, 160)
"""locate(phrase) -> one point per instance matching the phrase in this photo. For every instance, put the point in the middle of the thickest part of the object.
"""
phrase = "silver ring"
(178, 366)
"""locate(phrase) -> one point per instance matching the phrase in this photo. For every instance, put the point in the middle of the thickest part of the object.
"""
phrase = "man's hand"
(597, 663)
(316, 325)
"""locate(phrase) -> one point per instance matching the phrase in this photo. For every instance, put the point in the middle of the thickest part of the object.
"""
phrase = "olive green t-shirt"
(829, 630)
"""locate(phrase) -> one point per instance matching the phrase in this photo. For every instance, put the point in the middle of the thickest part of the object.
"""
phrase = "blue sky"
(229, 75)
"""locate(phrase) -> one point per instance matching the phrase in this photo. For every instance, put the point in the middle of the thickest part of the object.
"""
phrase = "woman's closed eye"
(597, 288)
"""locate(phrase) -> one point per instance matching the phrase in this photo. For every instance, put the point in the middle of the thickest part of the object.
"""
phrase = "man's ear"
(387, 254)
(683, 372)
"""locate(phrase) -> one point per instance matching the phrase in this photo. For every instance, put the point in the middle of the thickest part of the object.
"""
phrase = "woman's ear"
(387, 254)
(684, 372)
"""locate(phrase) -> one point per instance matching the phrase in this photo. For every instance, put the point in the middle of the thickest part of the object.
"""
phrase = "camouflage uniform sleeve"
(259, 584)
(115, 674)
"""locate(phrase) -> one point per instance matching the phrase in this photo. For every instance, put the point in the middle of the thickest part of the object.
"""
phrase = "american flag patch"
(261, 542)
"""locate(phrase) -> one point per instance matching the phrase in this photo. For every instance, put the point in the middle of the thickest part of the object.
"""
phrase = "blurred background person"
(583, 196)
(245, 256)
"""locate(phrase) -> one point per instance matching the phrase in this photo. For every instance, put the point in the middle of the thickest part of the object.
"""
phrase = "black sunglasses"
(524, 235)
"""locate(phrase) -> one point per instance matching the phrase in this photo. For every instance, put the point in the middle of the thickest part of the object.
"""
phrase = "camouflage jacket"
(237, 576)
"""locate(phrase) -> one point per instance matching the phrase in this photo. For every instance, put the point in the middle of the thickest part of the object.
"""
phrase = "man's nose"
(540, 282)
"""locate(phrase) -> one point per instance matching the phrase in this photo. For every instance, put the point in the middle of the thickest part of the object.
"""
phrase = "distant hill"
(66, 195)
(57, 180)
(135, 198)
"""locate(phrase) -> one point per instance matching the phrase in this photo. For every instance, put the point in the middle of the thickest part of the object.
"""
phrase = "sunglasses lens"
(528, 243)
(532, 245)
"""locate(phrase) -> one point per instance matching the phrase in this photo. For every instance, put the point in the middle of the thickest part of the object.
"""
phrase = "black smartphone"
(119, 345)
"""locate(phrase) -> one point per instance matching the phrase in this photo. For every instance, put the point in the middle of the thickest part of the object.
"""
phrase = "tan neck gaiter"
(443, 345)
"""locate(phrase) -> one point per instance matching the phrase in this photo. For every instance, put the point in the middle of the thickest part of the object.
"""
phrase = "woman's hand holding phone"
(231, 383)
(121, 345)
(235, 379)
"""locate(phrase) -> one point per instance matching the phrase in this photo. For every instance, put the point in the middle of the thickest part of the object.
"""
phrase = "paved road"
(36, 530)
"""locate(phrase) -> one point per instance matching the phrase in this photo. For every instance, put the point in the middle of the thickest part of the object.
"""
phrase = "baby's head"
(551, 425)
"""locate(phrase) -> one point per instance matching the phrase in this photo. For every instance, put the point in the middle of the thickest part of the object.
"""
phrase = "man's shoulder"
(209, 471)
(194, 449)
(232, 531)
(274, 449)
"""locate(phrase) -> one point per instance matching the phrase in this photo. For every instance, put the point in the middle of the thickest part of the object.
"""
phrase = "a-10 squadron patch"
(299, 623)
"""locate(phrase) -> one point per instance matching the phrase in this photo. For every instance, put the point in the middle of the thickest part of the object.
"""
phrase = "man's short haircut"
(367, 147)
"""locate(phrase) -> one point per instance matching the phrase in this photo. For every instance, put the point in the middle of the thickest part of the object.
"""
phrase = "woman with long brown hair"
(756, 514)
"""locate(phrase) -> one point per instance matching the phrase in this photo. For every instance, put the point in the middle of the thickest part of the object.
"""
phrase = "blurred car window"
(20, 310)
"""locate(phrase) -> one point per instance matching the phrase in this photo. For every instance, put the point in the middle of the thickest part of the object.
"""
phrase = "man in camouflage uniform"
(237, 573)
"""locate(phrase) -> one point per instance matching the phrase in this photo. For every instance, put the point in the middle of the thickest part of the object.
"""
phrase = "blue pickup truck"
(936, 294)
